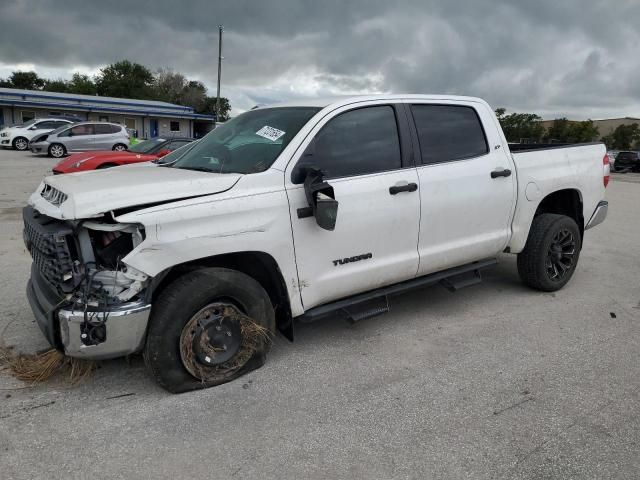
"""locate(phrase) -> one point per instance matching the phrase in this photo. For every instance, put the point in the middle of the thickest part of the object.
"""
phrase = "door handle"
(501, 173)
(409, 187)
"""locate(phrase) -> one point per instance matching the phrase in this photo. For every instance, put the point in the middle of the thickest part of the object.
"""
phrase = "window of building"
(174, 126)
(130, 123)
(103, 118)
(358, 142)
(27, 115)
(448, 132)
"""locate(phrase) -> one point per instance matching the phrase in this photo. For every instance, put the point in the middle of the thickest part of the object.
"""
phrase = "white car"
(19, 136)
(295, 212)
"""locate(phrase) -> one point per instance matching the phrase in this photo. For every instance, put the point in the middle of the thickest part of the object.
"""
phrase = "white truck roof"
(337, 101)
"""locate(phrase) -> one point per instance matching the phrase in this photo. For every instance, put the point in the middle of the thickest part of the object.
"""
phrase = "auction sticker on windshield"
(270, 133)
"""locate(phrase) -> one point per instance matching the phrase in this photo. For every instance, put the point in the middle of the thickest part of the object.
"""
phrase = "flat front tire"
(551, 254)
(208, 327)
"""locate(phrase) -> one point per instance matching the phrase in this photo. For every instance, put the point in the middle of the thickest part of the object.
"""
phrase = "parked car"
(627, 162)
(19, 136)
(82, 137)
(142, 152)
(296, 212)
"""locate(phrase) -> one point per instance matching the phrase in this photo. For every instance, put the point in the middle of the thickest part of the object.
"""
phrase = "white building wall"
(164, 127)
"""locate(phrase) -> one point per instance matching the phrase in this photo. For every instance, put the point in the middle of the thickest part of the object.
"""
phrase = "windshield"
(61, 128)
(249, 143)
(176, 154)
(147, 146)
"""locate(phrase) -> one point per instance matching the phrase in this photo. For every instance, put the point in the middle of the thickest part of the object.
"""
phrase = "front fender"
(202, 228)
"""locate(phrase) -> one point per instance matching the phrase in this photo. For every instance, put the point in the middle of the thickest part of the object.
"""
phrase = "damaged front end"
(86, 300)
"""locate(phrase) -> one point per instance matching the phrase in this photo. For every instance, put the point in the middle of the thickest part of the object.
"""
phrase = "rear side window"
(47, 125)
(448, 132)
(104, 129)
(358, 142)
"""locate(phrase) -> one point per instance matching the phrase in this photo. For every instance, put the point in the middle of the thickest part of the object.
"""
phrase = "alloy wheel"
(57, 151)
(560, 255)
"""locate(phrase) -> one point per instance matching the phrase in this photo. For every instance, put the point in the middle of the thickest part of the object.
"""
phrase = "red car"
(142, 152)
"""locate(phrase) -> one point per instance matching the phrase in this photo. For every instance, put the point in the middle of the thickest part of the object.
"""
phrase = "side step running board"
(375, 302)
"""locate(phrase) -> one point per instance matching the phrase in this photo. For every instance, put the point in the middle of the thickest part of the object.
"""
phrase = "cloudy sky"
(577, 58)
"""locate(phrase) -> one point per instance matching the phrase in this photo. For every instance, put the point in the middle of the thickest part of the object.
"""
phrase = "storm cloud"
(577, 58)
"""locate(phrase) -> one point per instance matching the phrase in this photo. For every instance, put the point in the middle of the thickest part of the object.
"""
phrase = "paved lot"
(495, 381)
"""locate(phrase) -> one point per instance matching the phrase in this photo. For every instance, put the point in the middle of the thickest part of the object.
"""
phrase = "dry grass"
(41, 366)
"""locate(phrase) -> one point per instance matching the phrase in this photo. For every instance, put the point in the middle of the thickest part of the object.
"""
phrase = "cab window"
(357, 142)
(448, 132)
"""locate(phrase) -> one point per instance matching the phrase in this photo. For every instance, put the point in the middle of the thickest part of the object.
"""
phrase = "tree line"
(126, 79)
(528, 127)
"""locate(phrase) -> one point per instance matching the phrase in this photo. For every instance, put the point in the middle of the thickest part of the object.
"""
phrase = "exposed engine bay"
(82, 261)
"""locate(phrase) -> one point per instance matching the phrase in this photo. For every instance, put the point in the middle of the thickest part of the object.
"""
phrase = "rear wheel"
(120, 147)
(551, 254)
(20, 143)
(57, 150)
(208, 327)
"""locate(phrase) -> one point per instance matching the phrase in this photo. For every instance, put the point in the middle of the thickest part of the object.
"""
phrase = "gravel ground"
(495, 381)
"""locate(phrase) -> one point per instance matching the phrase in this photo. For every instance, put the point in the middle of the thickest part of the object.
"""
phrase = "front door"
(79, 138)
(375, 238)
(468, 185)
(153, 127)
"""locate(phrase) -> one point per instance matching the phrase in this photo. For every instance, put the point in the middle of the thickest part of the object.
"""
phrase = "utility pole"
(219, 70)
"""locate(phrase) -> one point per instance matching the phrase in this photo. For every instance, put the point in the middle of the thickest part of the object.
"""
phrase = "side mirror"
(33, 127)
(321, 199)
(326, 211)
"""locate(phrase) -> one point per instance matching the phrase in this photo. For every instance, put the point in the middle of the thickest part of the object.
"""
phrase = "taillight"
(606, 167)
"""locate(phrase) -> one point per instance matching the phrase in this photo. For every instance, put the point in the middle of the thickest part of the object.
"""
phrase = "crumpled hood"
(91, 194)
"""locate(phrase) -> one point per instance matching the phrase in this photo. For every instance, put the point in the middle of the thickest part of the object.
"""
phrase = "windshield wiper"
(198, 169)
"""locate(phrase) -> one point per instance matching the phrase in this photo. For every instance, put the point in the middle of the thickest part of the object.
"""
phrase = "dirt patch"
(40, 367)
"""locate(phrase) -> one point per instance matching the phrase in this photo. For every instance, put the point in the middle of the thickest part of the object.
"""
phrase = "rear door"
(365, 153)
(468, 184)
(105, 136)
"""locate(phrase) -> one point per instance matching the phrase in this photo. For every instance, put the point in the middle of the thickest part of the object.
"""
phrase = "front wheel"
(21, 144)
(551, 254)
(208, 327)
(57, 151)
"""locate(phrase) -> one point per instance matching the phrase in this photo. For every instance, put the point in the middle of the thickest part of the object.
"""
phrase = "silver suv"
(81, 137)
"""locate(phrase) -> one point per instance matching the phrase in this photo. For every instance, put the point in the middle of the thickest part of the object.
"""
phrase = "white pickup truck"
(295, 212)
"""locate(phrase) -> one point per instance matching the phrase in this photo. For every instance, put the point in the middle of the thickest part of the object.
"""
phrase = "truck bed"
(526, 147)
(543, 169)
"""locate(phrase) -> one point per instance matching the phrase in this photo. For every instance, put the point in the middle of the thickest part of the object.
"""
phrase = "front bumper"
(599, 215)
(126, 324)
(38, 148)
(126, 327)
